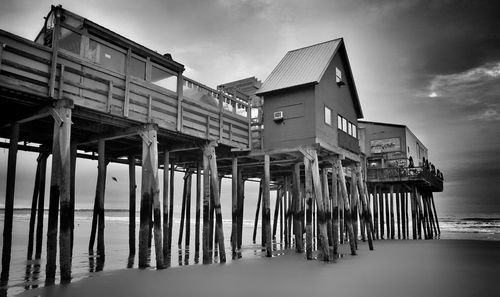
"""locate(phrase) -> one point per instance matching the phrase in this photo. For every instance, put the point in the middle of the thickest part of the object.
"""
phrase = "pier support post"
(259, 202)
(335, 206)
(354, 208)
(347, 208)
(297, 211)
(241, 204)
(365, 211)
(41, 203)
(9, 202)
(198, 212)
(166, 248)
(131, 206)
(328, 211)
(98, 213)
(308, 206)
(391, 209)
(398, 212)
(150, 197)
(266, 201)
(234, 204)
(206, 208)
(34, 201)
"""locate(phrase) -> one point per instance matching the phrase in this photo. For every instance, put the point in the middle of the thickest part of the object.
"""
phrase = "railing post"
(55, 48)
(180, 83)
(221, 114)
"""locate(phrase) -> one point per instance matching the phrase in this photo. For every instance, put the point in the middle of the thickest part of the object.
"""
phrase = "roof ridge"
(313, 45)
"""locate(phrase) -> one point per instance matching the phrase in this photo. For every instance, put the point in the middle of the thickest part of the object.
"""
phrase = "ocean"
(25, 275)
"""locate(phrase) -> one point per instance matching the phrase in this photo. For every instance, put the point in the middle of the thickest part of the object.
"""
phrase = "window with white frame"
(338, 75)
(328, 116)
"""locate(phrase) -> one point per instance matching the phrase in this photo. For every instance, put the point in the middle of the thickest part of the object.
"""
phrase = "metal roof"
(301, 66)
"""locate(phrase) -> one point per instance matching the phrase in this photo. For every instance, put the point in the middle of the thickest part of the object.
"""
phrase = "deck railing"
(200, 112)
(400, 174)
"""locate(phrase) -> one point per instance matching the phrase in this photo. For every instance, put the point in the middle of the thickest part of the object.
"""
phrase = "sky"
(431, 65)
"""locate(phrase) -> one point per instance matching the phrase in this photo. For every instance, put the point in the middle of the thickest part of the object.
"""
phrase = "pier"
(82, 91)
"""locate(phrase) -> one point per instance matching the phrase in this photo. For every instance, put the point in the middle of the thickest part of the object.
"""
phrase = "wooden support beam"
(297, 210)
(126, 104)
(320, 204)
(180, 84)
(347, 208)
(308, 205)
(391, 209)
(398, 213)
(149, 197)
(354, 208)
(335, 207)
(366, 216)
(206, 208)
(121, 133)
(183, 207)
(234, 204)
(171, 210)
(73, 157)
(188, 211)
(56, 33)
(435, 213)
(328, 211)
(279, 194)
(41, 204)
(34, 202)
(131, 205)
(241, 200)
(198, 211)
(9, 202)
(266, 206)
(209, 152)
(166, 247)
(256, 221)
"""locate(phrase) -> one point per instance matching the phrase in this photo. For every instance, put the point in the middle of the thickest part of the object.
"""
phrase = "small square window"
(328, 116)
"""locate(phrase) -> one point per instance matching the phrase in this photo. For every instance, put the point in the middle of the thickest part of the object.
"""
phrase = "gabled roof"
(306, 66)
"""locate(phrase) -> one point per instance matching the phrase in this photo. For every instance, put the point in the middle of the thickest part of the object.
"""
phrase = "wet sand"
(395, 268)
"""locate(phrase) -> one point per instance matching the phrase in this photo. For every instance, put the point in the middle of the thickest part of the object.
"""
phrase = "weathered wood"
(109, 97)
(266, 206)
(102, 186)
(398, 213)
(387, 214)
(328, 211)
(276, 212)
(354, 208)
(335, 207)
(55, 48)
(188, 211)
(171, 208)
(180, 84)
(183, 207)
(375, 212)
(391, 209)
(241, 199)
(413, 214)
(347, 208)
(206, 208)
(131, 205)
(308, 204)
(297, 221)
(366, 217)
(289, 210)
(34, 202)
(403, 213)
(198, 210)
(435, 213)
(256, 221)
(9, 202)
(234, 204)
(126, 102)
(210, 152)
(166, 248)
(41, 203)
(73, 156)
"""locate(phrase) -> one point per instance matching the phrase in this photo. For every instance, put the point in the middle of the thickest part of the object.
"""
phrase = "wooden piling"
(259, 201)
(9, 202)
(198, 210)
(335, 207)
(375, 212)
(299, 246)
(347, 208)
(308, 205)
(234, 200)
(183, 207)
(391, 209)
(210, 153)
(171, 208)
(266, 205)
(276, 212)
(188, 211)
(166, 162)
(382, 212)
(398, 213)
(366, 218)
(131, 205)
(354, 208)
(241, 204)
(41, 204)
(328, 209)
(206, 209)
(102, 186)
(34, 202)
(435, 213)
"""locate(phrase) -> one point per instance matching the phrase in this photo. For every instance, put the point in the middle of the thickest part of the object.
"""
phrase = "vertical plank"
(183, 207)
(171, 208)
(110, 96)
(55, 48)
(150, 103)
(234, 200)
(266, 205)
(354, 207)
(1, 53)
(9, 202)
(398, 212)
(180, 83)
(241, 200)
(391, 209)
(131, 205)
(276, 212)
(221, 113)
(73, 156)
(126, 103)
(308, 205)
(188, 210)
(61, 83)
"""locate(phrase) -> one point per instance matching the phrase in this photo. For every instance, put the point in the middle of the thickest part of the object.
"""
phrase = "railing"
(399, 174)
(27, 67)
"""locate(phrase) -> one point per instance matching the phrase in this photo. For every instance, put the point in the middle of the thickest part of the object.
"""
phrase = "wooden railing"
(26, 67)
(401, 174)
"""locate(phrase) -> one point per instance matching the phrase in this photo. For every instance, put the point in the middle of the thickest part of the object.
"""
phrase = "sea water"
(25, 275)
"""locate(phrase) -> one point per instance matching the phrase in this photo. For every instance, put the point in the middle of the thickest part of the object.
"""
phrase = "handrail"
(398, 173)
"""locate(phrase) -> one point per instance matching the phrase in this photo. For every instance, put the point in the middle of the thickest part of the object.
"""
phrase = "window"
(328, 116)
(164, 79)
(137, 68)
(347, 127)
(70, 41)
(354, 131)
(339, 122)
(344, 125)
(106, 56)
(338, 74)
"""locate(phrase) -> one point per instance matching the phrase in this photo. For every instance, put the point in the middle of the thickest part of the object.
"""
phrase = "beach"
(395, 268)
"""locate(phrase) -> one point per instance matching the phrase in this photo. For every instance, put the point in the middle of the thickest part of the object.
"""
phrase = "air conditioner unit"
(278, 116)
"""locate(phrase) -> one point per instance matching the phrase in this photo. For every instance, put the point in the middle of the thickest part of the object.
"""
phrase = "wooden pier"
(82, 91)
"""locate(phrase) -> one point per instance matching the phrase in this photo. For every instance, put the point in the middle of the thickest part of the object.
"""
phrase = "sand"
(395, 268)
